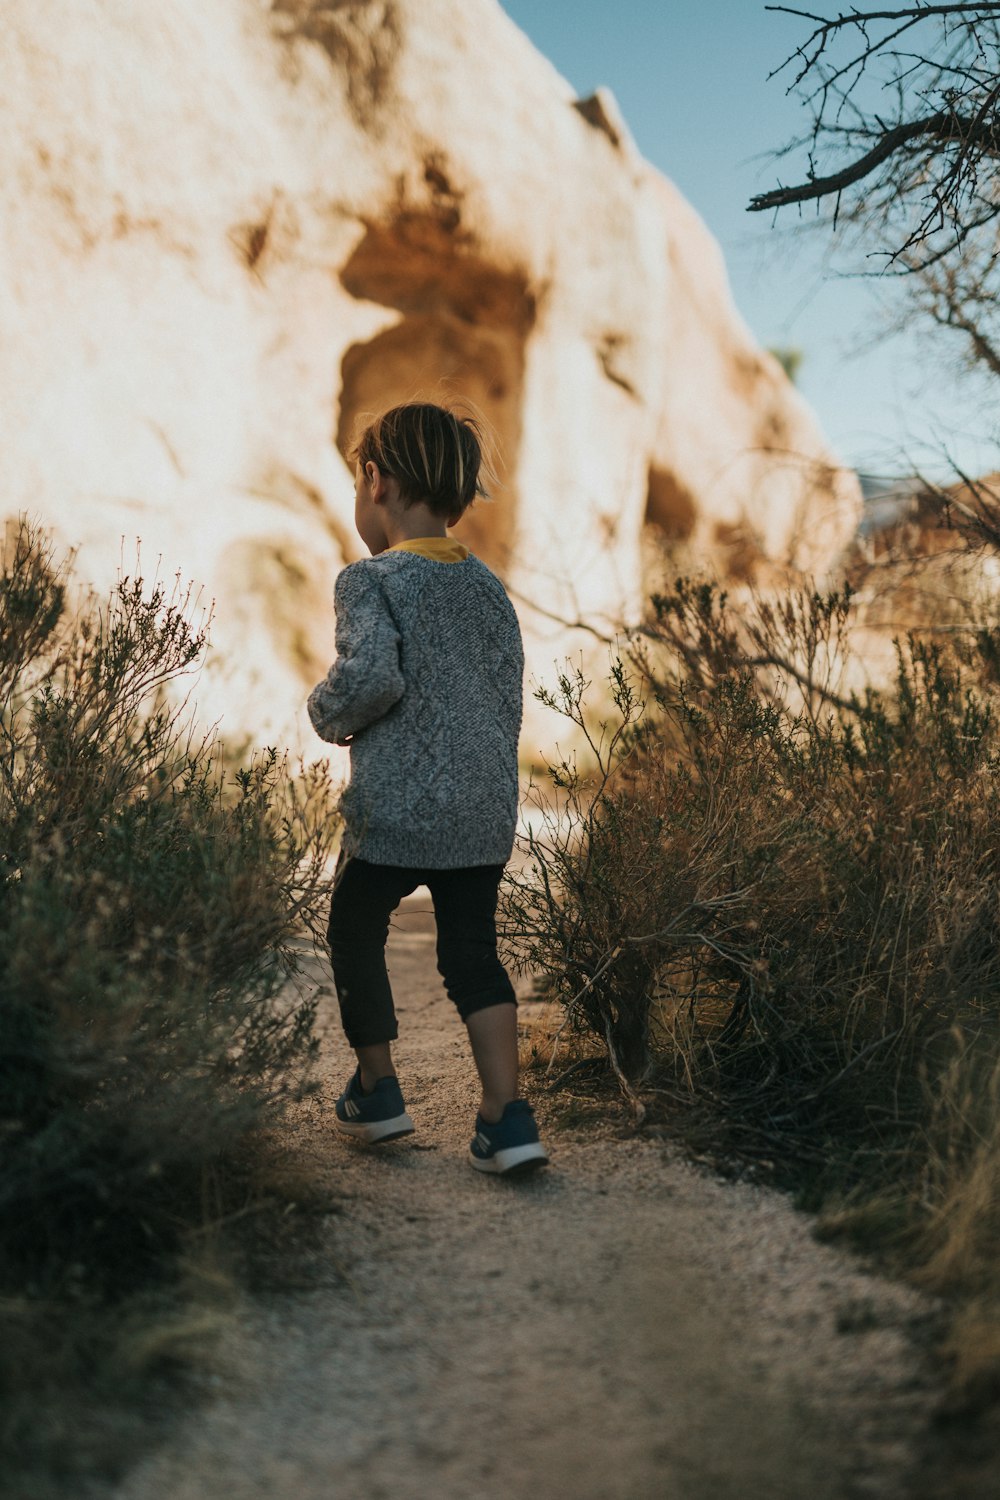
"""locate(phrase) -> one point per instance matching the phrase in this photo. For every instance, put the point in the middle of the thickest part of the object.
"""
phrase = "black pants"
(465, 904)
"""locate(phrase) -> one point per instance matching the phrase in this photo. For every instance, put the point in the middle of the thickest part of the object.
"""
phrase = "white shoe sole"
(374, 1131)
(514, 1159)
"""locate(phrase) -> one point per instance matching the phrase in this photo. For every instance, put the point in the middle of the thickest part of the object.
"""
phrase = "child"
(426, 690)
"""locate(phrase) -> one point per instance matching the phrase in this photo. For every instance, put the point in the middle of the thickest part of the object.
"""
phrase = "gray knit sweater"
(427, 689)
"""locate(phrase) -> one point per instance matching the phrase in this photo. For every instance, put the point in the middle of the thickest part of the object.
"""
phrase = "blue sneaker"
(512, 1145)
(378, 1116)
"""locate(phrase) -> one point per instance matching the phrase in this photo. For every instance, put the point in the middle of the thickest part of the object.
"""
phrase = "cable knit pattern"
(427, 690)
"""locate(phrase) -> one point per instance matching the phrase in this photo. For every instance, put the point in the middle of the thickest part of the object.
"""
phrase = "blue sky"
(691, 77)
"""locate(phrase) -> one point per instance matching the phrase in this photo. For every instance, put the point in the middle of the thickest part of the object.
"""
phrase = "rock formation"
(230, 228)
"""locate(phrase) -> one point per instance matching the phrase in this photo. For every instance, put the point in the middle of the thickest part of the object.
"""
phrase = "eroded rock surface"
(230, 228)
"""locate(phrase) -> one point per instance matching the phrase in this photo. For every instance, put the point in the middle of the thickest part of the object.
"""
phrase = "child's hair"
(433, 454)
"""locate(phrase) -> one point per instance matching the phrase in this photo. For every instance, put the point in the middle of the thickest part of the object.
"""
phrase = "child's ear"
(377, 482)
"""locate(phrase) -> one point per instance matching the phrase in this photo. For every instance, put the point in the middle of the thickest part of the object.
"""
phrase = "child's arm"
(365, 680)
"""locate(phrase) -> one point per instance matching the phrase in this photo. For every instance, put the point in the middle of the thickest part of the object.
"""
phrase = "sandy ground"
(619, 1327)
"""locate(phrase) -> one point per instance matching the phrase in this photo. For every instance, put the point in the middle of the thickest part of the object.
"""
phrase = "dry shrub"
(961, 1192)
(149, 905)
(777, 908)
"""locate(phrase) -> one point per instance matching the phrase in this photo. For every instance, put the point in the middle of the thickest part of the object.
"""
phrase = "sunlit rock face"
(229, 229)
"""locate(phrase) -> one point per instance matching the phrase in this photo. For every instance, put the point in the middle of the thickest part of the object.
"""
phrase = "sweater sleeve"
(366, 680)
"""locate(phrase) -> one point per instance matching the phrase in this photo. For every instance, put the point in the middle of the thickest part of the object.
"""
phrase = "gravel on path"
(619, 1327)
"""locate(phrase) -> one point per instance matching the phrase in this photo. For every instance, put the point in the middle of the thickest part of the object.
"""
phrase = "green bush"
(149, 905)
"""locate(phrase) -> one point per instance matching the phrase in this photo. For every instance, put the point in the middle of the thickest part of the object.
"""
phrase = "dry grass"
(150, 904)
(775, 904)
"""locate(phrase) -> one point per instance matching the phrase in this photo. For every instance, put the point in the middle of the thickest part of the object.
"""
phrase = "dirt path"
(620, 1327)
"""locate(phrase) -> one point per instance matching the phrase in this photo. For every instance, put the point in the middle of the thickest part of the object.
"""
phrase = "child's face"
(368, 514)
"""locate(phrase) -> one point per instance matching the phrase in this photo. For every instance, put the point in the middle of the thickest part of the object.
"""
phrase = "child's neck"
(416, 521)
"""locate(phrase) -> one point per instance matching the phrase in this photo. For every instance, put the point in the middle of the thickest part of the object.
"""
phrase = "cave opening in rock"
(670, 506)
(669, 525)
(460, 340)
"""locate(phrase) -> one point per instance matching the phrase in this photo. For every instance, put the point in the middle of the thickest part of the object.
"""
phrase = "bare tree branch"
(953, 313)
(941, 127)
(855, 17)
(926, 172)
